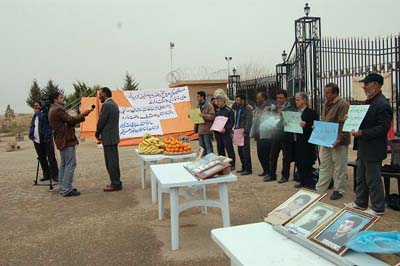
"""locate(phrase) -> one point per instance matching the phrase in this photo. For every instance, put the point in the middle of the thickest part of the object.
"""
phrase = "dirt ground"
(39, 227)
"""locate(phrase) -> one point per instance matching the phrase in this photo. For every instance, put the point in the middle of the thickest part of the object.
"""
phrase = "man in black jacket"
(42, 136)
(108, 132)
(244, 120)
(224, 138)
(372, 147)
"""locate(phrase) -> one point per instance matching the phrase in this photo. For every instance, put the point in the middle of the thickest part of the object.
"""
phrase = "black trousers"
(369, 185)
(112, 164)
(224, 142)
(305, 172)
(244, 154)
(263, 153)
(287, 151)
(47, 159)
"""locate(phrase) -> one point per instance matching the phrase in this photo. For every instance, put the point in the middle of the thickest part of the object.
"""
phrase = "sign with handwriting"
(355, 117)
(324, 133)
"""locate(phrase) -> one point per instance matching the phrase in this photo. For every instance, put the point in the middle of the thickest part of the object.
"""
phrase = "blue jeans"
(67, 168)
(205, 143)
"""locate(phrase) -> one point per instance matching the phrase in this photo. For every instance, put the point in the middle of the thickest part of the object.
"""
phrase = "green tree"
(35, 94)
(9, 113)
(73, 100)
(50, 89)
(130, 83)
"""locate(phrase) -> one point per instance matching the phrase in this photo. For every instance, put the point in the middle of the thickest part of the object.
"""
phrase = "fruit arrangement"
(151, 145)
(175, 146)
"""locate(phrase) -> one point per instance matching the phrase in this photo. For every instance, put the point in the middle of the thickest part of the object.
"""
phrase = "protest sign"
(238, 136)
(324, 133)
(195, 116)
(292, 122)
(267, 125)
(355, 117)
(219, 123)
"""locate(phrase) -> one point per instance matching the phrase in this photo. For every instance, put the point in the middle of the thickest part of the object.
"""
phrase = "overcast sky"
(98, 41)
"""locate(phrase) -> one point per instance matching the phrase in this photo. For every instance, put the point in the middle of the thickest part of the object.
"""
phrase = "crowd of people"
(370, 140)
(270, 139)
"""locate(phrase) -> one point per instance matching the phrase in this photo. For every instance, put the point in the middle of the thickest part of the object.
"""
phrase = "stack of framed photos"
(304, 215)
(209, 166)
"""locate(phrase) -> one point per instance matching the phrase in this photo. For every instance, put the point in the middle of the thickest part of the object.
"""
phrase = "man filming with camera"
(41, 135)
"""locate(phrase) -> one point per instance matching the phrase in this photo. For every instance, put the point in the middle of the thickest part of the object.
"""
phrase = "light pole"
(228, 59)
(171, 46)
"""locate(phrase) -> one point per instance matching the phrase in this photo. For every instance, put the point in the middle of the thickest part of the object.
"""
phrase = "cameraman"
(41, 135)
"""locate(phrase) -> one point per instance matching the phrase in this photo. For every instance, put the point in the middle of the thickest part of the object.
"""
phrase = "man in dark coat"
(224, 138)
(42, 136)
(107, 131)
(244, 120)
(372, 147)
(305, 152)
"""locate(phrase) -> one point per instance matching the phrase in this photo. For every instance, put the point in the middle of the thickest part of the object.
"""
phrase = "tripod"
(35, 182)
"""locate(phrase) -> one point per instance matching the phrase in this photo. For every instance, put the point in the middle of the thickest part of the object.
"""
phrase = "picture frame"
(213, 170)
(309, 220)
(298, 202)
(199, 153)
(341, 228)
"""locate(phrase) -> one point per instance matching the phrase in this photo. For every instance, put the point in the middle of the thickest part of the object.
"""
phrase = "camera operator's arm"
(71, 120)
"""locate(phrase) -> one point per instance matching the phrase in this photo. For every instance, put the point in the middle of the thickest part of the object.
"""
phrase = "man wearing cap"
(224, 138)
(334, 160)
(372, 147)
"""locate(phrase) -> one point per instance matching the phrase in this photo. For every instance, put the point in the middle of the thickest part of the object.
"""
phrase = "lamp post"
(171, 47)
(228, 59)
(284, 56)
(307, 10)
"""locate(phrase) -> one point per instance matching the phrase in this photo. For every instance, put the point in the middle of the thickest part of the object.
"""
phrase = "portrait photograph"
(341, 228)
(311, 218)
(293, 206)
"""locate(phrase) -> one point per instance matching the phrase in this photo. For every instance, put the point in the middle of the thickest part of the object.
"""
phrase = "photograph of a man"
(314, 220)
(341, 231)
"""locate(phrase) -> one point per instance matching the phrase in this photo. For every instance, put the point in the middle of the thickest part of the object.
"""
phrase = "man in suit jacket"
(107, 132)
(372, 147)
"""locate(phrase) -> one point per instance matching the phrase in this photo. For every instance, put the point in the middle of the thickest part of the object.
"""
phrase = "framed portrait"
(341, 228)
(293, 206)
(311, 218)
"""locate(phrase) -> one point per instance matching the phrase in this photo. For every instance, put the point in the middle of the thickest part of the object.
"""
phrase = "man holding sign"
(223, 134)
(334, 160)
(372, 147)
(203, 129)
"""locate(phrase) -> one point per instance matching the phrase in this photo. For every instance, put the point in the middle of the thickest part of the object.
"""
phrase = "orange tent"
(179, 126)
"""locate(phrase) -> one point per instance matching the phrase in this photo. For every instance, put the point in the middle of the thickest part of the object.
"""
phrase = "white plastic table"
(153, 159)
(259, 244)
(172, 177)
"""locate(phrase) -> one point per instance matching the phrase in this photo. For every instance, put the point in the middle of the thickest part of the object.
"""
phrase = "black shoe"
(240, 171)
(262, 174)
(246, 173)
(72, 193)
(335, 195)
(283, 180)
(298, 185)
(44, 179)
(55, 180)
(269, 178)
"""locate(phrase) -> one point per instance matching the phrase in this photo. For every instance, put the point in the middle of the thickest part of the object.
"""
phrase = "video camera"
(45, 103)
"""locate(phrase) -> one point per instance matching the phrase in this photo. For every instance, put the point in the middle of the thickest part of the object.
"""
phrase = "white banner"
(164, 111)
(157, 97)
(133, 128)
